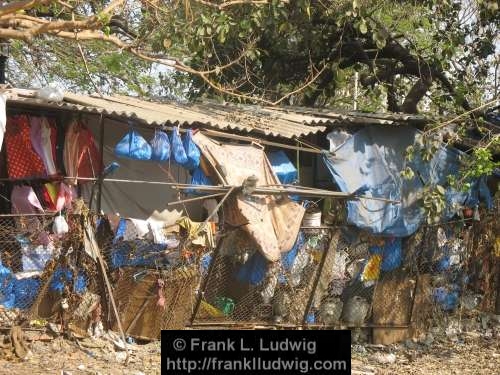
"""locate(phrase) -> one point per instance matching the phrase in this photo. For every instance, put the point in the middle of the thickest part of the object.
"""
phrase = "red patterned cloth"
(22, 160)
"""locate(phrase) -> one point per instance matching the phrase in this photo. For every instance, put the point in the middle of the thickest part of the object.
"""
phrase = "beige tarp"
(273, 221)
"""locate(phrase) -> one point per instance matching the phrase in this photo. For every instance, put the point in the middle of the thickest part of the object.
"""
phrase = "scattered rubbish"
(355, 311)
(130, 340)
(54, 328)
(384, 358)
(330, 311)
(121, 356)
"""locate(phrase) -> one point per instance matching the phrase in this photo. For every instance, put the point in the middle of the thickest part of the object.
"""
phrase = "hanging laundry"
(198, 235)
(22, 160)
(81, 155)
(44, 196)
(65, 197)
(52, 191)
(43, 139)
(24, 200)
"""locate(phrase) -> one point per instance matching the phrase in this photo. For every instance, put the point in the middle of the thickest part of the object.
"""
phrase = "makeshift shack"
(141, 216)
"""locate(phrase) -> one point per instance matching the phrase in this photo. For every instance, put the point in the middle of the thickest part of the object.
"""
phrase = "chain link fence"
(332, 277)
(46, 277)
(241, 286)
(343, 277)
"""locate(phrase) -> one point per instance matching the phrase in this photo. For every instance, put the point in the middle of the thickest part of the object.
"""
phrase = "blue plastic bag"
(59, 279)
(283, 167)
(80, 283)
(136, 253)
(180, 155)
(393, 255)
(25, 291)
(192, 151)
(254, 270)
(133, 146)
(447, 298)
(160, 146)
(7, 297)
(198, 177)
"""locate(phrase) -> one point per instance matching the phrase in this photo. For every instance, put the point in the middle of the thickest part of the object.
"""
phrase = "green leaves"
(434, 203)
(113, 62)
(481, 163)
(407, 173)
(380, 38)
(363, 27)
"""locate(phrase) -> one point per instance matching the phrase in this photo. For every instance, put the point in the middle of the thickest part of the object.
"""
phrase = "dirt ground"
(64, 357)
(474, 352)
(474, 356)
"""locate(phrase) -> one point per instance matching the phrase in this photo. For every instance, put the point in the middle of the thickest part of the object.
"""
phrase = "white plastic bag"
(60, 226)
(51, 93)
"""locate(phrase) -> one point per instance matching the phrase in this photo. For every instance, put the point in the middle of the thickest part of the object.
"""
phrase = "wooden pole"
(195, 199)
(98, 254)
(218, 134)
(212, 263)
(101, 149)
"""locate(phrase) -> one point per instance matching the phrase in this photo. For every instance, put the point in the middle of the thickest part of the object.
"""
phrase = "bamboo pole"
(195, 199)
(97, 252)
(305, 192)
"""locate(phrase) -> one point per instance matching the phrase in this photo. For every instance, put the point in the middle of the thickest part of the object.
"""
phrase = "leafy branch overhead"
(408, 54)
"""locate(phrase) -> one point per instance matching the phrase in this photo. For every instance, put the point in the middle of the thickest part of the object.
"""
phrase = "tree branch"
(21, 5)
(226, 4)
(415, 94)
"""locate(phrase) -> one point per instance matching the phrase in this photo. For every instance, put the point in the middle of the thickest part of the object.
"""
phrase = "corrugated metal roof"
(286, 122)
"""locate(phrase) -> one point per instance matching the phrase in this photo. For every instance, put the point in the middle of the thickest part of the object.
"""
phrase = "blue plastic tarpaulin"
(282, 167)
(370, 163)
(255, 268)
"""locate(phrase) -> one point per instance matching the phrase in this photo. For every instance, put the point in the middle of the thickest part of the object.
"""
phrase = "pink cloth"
(41, 139)
(65, 196)
(25, 201)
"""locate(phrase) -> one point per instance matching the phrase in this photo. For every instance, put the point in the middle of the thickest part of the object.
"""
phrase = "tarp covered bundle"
(273, 222)
(370, 162)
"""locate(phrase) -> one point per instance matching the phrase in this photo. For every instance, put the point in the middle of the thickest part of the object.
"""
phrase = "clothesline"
(285, 189)
(305, 192)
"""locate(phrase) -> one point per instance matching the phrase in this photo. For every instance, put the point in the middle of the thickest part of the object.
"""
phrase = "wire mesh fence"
(334, 276)
(344, 277)
(241, 286)
(49, 278)
(44, 275)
